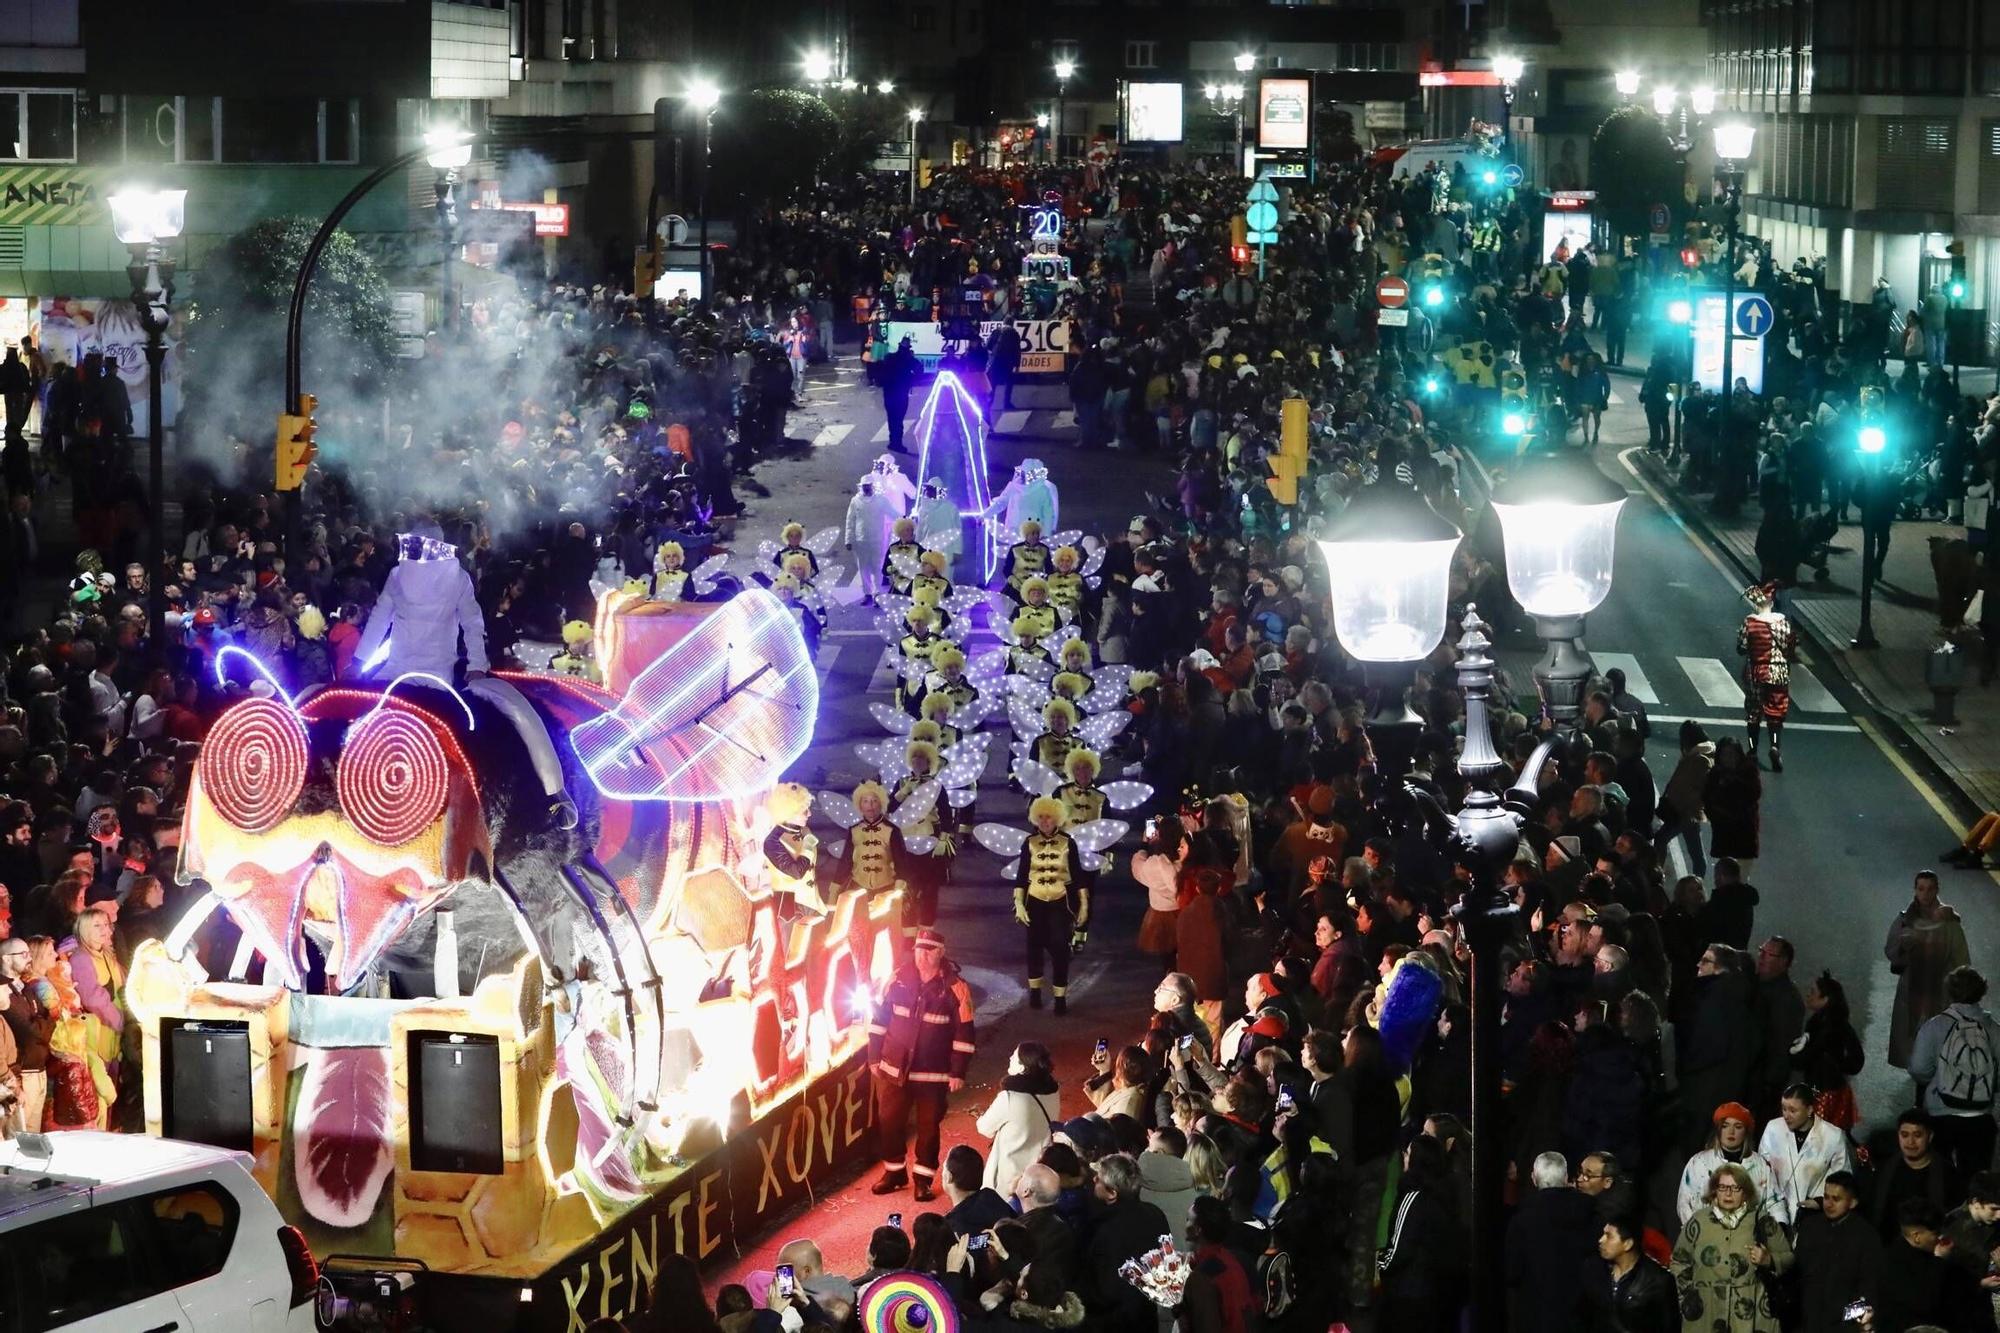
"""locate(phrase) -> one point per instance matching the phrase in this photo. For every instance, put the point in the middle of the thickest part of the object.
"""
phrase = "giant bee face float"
(567, 872)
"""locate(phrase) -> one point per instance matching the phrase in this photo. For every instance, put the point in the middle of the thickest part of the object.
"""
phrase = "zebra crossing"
(1708, 689)
(1028, 423)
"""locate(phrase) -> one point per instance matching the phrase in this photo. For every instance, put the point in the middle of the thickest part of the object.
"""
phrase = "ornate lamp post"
(1065, 71)
(703, 96)
(448, 150)
(143, 219)
(1388, 560)
(1510, 69)
(1559, 521)
(1732, 146)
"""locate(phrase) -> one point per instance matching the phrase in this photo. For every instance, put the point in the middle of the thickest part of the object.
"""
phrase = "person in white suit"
(893, 482)
(1730, 1143)
(871, 518)
(1803, 1150)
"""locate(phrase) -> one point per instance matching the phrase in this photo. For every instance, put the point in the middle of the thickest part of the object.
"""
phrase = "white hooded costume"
(1029, 494)
(891, 481)
(425, 607)
(870, 527)
(938, 525)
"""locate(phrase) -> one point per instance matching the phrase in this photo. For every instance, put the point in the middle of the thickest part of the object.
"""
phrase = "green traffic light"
(1872, 440)
(1513, 423)
(1679, 312)
(1434, 296)
(1430, 384)
(1490, 177)
(1956, 290)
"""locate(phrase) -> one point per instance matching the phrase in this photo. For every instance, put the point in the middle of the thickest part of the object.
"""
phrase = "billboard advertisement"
(1152, 113)
(1284, 113)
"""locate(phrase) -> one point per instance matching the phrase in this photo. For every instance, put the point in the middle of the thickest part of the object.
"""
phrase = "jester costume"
(1766, 643)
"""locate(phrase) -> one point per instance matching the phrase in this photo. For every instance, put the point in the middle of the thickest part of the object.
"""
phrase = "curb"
(1692, 517)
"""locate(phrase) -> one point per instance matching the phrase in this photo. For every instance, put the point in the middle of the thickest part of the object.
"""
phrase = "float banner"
(720, 1203)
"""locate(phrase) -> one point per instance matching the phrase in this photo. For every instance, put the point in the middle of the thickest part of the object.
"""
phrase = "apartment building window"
(1142, 55)
(1989, 166)
(1913, 162)
(1986, 55)
(37, 125)
(1833, 46)
(292, 130)
(1915, 47)
(923, 18)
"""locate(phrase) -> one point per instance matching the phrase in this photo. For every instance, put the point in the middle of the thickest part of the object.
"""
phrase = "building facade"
(1878, 141)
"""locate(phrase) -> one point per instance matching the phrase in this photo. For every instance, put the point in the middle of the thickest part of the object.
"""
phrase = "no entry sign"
(1393, 293)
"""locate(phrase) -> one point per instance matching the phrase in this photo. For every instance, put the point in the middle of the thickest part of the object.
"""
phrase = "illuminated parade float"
(517, 1001)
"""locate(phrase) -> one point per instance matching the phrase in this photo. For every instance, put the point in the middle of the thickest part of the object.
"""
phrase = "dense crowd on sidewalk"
(1293, 1110)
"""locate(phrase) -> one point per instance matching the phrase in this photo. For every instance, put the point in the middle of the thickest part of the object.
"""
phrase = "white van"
(122, 1233)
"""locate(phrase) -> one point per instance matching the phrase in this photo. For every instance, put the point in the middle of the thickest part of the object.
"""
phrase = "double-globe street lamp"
(144, 219)
(1229, 97)
(703, 96)
(1388, 557)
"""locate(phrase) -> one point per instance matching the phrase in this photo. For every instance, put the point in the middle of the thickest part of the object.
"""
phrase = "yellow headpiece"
(784, 585)
(1074, 652)
(788, 803)
(1035, 584)
(921, 617)
(950, 659)
(1067, 558)
(934, 561)
(904, 528)
(1141, 681)
(929, 597)
(1069, 685)
(669, 556)
(923, 748)
(799, 566)
(1026, 630)
(791, 530)
(576, 632)
(1047, 805)
(1031, 530)
(927, 729)
(936, 707)
(1056, 708)
(1083, 765)
(875, 789)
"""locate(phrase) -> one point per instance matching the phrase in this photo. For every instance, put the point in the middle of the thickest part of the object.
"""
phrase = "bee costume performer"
(1051, 897)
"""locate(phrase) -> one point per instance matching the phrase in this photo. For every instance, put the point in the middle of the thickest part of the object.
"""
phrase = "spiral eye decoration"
(253, 764)
(392, 777)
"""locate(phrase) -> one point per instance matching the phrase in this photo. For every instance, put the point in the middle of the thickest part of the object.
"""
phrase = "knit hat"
(1569, 846)
(928, 937)
(1733, 1111)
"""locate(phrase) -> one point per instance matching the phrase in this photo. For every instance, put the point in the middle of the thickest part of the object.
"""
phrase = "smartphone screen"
(1103, 1046)
(976, 1241)
(1187, 1042)
(784, 1280)
(896, 1221)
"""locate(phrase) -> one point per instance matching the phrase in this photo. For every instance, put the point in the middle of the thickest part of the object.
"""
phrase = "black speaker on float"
(455, 1103)
(205, 1080)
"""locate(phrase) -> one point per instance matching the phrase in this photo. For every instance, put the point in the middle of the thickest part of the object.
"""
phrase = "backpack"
(1965, 1065)
(1273, 1278)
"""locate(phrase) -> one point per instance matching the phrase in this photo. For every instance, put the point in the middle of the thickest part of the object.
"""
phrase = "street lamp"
(1559, 523)
(448, 149)
(143, 219)
(1483, 837)
(1732, 145)
(818, 66)
(1628, 82)
(1702, 100)
(1510, 69)
(1388, 559)
(1245, 61)
(886, 87)
(916, 115)
(1230, 95)
(703, 95)
(1664, 98)
(1042, 129)
(1871, 442)
(1065, 71)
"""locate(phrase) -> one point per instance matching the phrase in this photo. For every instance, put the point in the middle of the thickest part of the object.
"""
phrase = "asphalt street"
(1843, 828)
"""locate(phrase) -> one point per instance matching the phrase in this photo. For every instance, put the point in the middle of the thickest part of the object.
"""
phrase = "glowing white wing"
(961, 797)
(916, 805)
(1038, 778)
(1028, 691)
(989, 665)
(1008, 871)
(1067, 537)
(1026, 722)
(1126, 795)
(839, 809)
(1098, 729)
(972, 748)
(1099, 834)
(703, 577)
(964, 600)
(767, 552)
(1000, 839)
(824, 542)
(893, 719)
(969, 715)
(905, 566)
(1038, 669)
(1092, 563)
(830, 574)
(963, 770)
(920, 843)
(957, 628)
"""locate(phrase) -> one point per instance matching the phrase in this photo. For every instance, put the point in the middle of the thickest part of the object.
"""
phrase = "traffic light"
(1431, 386)
(1288, 465)
(298, 443)
(1690, 257)
(1957, 288)
(1240, 254)
(646, 267)
(1513, 422)
(1433, 295)
(1872, 439)
(1239, 231)
(1680, 311)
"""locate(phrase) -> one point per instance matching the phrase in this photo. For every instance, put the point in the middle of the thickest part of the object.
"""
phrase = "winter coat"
(1689, 780)
(1701, 1167)
(1801, 1169)
(1834, 1264)
(1712, 1265)
(1720, 1044)
(1731, 801)
(1019, 1123)
(1550, 1239)
(1423, 1266)
(1921, 952)
(1606, 1105)
(1123, 1230)
(923, 1030)
(1168, 1183)
(1202, 951)
(1643, 1303)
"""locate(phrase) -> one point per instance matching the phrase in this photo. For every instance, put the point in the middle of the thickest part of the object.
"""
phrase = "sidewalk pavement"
(1890, 678)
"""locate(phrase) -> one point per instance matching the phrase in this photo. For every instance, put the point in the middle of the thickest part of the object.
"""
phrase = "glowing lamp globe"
(142, 216)
(1628, 82)
(1560, 526)
(1733, 142)
(1702, 100)
(1388, 560)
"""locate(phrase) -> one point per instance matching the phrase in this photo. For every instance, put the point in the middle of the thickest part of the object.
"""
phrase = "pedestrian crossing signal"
(1691, 257)
(1240, 253)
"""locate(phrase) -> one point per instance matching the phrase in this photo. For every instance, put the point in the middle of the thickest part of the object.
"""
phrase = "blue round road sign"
(1262, 216)
(1512, 174)
(1753, 316)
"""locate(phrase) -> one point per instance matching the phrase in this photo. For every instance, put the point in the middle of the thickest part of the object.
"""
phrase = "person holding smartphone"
(1925, 942)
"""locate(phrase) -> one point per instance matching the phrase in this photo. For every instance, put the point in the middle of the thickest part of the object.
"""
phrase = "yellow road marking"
(1911, 776)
